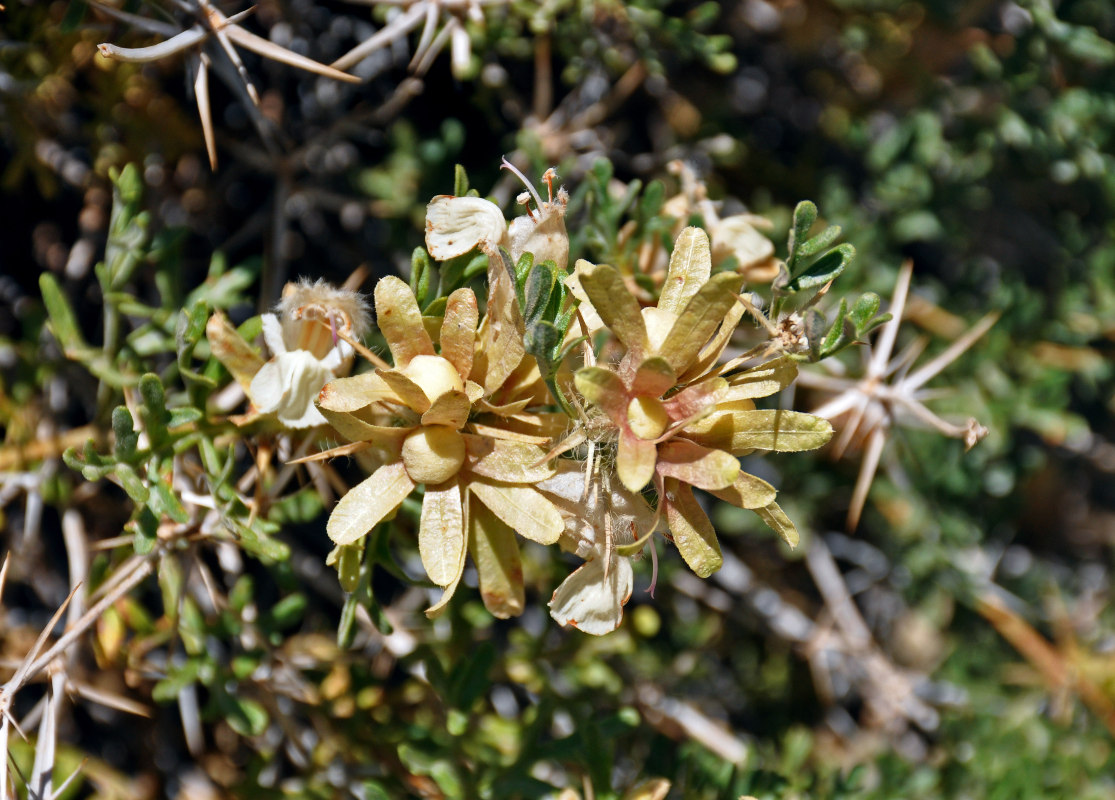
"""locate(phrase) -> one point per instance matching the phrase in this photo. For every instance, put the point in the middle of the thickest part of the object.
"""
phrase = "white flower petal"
(591, 603)
(287, 386)
(455, 225)
(273, 334)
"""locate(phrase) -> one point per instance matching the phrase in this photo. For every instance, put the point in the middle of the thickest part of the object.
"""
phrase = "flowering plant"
(516, 424)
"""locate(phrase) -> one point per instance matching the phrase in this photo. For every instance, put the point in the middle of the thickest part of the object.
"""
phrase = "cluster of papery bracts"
(464, 415)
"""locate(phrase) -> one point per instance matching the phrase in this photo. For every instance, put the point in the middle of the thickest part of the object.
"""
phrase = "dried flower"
(419, 416)
(679, 423)
(307, 338)
(455, 225)
(602, 521)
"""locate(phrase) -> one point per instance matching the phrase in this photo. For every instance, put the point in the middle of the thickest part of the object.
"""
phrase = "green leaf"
(260, 543)
(824, 269)
(864, 309)
(183, 416)
(123, 429)
(171, 584)
(420, 274)
(191, 626)
(241, 594)
(818, 242)
(287, 612)
(153, 412)
(805, 214)
(145, 531)
(179, 676)
(132, 483)
(63, 322)
(165, 503)
(539, 286)
(460, 181)
(246, 717)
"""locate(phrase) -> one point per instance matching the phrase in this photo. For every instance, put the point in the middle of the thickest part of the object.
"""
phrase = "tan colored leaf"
(229, 347)
(700, 466)
(407, 390)
(441, 532)
(690, 267)
(368, 503)
(455, 225)
(616, 306)
(507, 434)
(763, 380)
(451, 408)
(700, 319)
(776, 519)
(747, 492)
(400, 321)
(740, 432)
(692, 531)
(524, 508)
(635, 461)
(511, 462)
(458, 331)
(592, 598)
(496, 555)
(653, 378)
(603, 388)
(352, 394)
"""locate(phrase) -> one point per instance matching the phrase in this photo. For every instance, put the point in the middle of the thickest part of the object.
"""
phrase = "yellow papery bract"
(776, 518)
(692, 531)
(357, 430)
(406, 389)
(523, 508)
(441, 533)
(498, 567)
(746, 491)
(506, 461)
(451, 409)
(228, 346)
(609, 296)
(400, 321)
(635, 461)
(698, 322)
(696, 465)
(602, 387)
(435, 375)
(368, 503)
(346, 395)
(777, 430)
(762, 381)
(458, 331)
(653, 377)
(690, 267)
